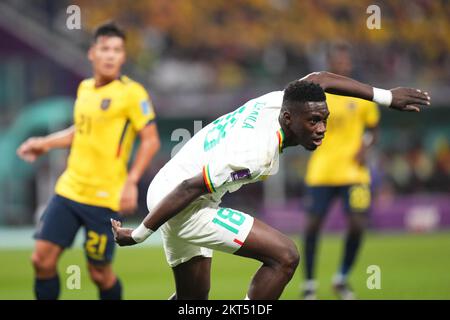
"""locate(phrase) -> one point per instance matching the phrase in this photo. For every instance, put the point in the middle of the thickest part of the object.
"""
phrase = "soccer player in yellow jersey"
(337, 169)
(109, 112)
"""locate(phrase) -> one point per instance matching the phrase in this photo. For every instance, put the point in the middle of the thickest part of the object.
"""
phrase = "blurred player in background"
(337, 170)
(239, 148)
(110, 110)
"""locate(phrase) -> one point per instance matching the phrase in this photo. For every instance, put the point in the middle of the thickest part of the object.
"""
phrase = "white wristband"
(141, 233)
(382, 97)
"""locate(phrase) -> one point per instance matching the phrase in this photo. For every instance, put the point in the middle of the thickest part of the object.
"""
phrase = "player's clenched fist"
(32, 148)
(122, 236)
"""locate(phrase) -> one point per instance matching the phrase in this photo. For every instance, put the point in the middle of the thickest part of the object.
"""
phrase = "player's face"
(310, 124)
(107, 55)
(341, 63)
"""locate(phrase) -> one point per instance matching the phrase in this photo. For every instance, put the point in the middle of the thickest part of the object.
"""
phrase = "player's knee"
(43, 264)
(98, 277)
(290, 258)
(101, 276)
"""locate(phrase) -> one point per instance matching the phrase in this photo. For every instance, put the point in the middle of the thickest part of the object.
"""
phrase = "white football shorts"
(200, 228)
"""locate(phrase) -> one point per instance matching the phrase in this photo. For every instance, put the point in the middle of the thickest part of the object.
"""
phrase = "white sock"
(339, 278)
(310, 285)
(246, 297)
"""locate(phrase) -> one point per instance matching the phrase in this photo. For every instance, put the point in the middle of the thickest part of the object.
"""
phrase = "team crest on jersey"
(105, 104)
(240, 174)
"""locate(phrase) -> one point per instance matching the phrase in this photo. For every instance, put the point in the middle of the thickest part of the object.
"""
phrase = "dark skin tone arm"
(177, 200)
(403, 99)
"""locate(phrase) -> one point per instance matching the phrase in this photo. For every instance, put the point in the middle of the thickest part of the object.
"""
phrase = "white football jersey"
(240, 147)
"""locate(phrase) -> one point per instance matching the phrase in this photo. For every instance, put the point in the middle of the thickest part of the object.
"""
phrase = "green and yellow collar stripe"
(280, 135)
(207, 179)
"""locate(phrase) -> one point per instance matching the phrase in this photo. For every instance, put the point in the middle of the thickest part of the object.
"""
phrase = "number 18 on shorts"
(238, 225)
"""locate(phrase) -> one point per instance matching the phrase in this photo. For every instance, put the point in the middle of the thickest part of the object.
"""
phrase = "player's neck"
(101, 81)
(287, 135)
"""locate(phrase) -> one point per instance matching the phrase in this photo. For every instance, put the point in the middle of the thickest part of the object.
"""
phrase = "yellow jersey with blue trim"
(106, 121)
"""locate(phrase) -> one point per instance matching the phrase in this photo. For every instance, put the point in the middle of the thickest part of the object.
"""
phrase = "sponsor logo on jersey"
(240, 174)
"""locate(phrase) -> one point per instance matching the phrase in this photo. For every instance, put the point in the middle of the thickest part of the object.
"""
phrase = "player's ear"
(287, 117)
(124, 57)
(90, 53)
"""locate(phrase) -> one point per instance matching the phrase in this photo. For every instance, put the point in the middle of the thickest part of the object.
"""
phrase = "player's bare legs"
(192, 279)
(105, 279)
(102, 275)
(44, 259)
(279, 256)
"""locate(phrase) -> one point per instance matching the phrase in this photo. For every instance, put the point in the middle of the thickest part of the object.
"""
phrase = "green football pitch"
(412, 266)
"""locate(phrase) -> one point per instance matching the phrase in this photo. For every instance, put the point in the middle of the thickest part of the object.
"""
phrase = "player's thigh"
(268, 245)
(193, 278)
(58, 225)
(99, 245)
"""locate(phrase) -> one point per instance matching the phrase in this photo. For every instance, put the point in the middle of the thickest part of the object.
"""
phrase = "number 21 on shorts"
(229, 219)
(96, 245)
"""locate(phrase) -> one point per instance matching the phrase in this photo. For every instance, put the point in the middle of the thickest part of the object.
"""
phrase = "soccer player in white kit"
(238, 148)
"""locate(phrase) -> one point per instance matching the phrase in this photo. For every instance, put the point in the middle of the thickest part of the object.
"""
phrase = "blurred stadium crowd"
(229, 44)
(186, 50)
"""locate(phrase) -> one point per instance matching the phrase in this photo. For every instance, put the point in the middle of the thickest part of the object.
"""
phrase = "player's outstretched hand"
(408, 99)
(122, 236)
(31, 149)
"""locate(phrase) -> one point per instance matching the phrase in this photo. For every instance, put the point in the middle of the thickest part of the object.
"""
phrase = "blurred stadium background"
(200, 59)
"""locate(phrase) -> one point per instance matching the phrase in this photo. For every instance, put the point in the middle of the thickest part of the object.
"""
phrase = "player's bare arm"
(177, 200)
(370, 138)
(149, 146)
(403, 99)
(34, 147)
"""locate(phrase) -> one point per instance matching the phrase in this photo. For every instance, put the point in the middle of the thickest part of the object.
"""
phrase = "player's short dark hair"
(109, 29)
(301, 91)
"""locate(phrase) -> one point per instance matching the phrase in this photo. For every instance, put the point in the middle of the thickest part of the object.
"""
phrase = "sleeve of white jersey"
(237, 164)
